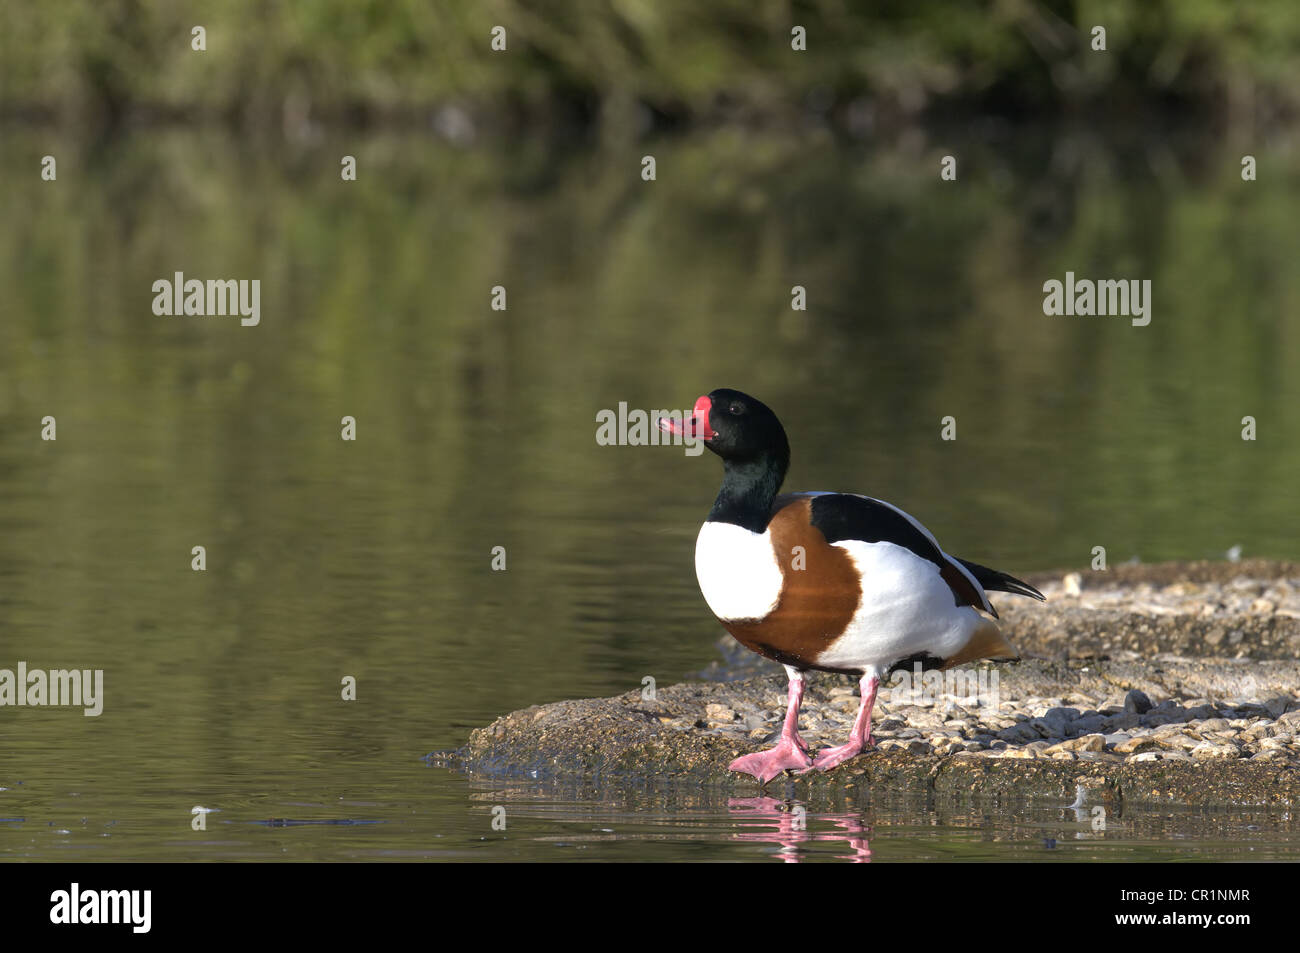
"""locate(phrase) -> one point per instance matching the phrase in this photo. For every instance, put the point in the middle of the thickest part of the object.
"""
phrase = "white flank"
(737, 570)
(906, 608)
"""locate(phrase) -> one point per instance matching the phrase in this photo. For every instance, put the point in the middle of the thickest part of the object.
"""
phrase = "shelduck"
(832, 582)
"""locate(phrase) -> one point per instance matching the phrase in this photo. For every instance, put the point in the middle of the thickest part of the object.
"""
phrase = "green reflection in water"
(476, 428)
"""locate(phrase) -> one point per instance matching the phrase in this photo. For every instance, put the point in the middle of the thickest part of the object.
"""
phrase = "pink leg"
(859, 738)
(790, 752)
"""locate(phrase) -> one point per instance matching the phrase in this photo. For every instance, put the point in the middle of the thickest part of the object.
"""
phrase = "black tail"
(997, 581)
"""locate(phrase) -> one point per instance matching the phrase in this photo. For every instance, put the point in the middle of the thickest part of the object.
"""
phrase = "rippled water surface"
(476, 429)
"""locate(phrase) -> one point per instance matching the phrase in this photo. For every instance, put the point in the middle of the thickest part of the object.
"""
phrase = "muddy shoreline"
(1170, 683)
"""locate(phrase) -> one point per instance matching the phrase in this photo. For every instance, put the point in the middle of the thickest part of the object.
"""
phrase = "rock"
(1123, 721)
(1020, 753)
(1136, 702)
(1145, 756)
(1088, 724)
(1055, 721)
(1086, 743)
(1211, 751)
(719, 713)
(1140, 743)
(1019, 734)
(1073, 584)
(1271, 754)
(1276, 707)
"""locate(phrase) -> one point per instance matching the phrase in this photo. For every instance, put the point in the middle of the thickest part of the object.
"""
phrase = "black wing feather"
(997, 581)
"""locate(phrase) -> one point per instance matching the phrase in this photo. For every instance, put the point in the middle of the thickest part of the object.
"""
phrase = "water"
(372, 559)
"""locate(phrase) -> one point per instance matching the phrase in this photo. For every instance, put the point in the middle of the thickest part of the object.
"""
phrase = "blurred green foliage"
(630, 61)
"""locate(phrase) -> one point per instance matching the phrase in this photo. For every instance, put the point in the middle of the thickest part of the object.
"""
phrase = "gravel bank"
(1132, 693)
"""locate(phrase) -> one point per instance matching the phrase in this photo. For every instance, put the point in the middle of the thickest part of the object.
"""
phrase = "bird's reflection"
(785, 823)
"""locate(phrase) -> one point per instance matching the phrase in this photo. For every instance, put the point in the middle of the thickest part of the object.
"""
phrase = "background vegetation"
(634, 62)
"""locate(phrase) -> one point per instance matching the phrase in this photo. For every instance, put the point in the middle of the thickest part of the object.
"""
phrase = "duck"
(826, 581)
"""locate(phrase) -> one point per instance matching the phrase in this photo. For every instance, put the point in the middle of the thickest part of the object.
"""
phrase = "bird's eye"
(736, 407)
